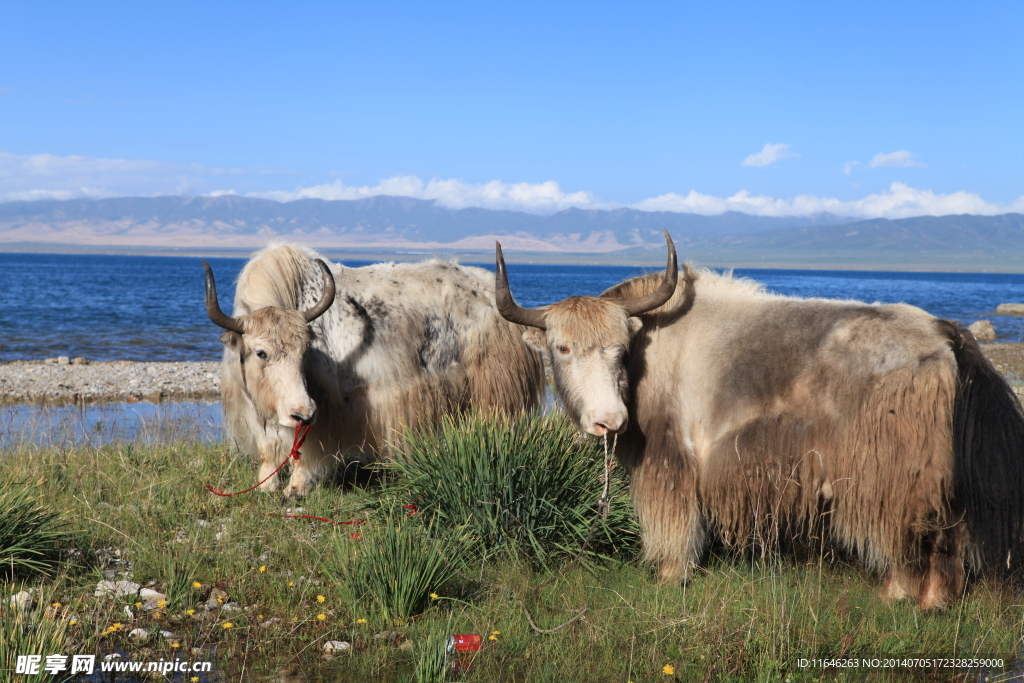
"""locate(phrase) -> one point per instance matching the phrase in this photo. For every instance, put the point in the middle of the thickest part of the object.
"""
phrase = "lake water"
(151, 307)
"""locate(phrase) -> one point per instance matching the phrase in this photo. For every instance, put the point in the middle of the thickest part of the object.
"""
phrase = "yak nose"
(307, 415)
(608, 423)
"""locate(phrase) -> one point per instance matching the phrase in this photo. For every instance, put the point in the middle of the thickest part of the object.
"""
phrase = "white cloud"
(47, 176)
(899, 201)
(901, 159)
(546, 197)
(769, 154)
(849, 166)
(28, 177)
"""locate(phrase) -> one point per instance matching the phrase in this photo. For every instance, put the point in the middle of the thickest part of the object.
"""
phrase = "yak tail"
(988, 456)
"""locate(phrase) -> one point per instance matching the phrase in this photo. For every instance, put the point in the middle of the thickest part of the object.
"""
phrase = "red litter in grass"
(467, 643)
(464, 647)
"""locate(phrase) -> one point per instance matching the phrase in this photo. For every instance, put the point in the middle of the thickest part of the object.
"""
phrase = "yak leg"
(270, 458)
(936, 579)
(944, 580)
(665, 497)
(903, 583)
(301, 481)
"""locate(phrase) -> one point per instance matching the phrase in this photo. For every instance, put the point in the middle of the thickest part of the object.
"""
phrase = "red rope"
(301, 430)
(300, 436)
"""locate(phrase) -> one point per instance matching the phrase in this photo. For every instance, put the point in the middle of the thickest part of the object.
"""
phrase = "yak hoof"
(290, 497)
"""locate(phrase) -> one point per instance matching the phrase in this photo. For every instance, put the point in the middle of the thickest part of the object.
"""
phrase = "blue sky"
(860, 108)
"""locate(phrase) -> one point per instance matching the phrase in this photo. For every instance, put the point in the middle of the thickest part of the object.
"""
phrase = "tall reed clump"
(527, 484)
(398, 563)
(30, 535)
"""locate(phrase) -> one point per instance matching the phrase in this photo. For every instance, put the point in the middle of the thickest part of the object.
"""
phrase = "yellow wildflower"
(434, 596)
(291, 583)
(495, 633)
(320, 598)
(72, 622)
(175, 645)
(263, 568)
(190, 612)
(55, 605)
(194, 679)
(156, 615)
(360, 621)
(196, 584)
(117, 626)
(138, 605)
(227, 624)
(321, 616)
(161, 604)
(668, 669)
(492, 637)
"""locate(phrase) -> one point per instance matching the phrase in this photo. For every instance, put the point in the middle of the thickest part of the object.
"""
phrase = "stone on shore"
(1010, 309)
(79, 381)
(983, 330)
(116, 589)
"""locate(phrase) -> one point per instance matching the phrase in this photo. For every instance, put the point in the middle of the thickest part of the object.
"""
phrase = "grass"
(527, 485)
(297, 585)
(31, 536)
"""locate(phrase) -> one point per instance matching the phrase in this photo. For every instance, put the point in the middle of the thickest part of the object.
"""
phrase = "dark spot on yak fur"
(369, 329)
(440, 345)
(377, 308)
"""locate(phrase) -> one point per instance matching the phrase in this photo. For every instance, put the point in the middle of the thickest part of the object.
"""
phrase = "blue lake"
(151, 307)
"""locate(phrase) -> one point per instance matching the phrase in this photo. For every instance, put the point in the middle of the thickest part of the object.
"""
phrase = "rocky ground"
(63, 381)
(77, 381)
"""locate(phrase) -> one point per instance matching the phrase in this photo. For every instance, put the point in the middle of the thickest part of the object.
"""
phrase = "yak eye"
(564, 350)
(261, 354)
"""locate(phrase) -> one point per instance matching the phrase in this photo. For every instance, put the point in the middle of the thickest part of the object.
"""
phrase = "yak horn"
(213, 307)
(326, 299)
(663, 293)
(507, 306)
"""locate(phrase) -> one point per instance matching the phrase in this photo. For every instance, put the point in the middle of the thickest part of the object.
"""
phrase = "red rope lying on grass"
(300, 437)
(301, 430)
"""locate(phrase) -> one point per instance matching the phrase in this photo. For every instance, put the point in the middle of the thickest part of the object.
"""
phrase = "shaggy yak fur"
(762, 421)
(402, 344)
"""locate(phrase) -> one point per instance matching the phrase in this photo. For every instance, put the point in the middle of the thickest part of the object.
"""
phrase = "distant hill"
(961, 242)
(385, 225)
(232, 221)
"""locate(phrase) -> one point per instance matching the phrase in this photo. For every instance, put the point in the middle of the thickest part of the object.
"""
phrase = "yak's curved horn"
(507, 306)
(326, 299)
(213, 307)
(663, 293)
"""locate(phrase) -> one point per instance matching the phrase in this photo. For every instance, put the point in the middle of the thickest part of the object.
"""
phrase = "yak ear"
(231, 339)
(634, 324)
(536, 338)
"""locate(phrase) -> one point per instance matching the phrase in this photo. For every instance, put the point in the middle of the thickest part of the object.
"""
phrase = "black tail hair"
(988, 455)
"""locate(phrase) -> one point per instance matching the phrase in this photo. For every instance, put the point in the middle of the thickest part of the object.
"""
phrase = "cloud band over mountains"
(45, 176)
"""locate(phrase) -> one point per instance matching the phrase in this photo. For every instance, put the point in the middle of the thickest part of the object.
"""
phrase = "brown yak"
(759, 419)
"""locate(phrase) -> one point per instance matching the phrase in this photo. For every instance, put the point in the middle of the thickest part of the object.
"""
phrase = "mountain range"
(386, 224)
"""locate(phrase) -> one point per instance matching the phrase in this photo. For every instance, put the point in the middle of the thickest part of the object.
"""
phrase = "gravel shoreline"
(59, 382)
(64, 382)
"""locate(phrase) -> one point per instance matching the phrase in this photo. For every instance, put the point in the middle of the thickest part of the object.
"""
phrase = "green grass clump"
(528, 484)
(30, 535)
(399, 563)
(28, 631)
